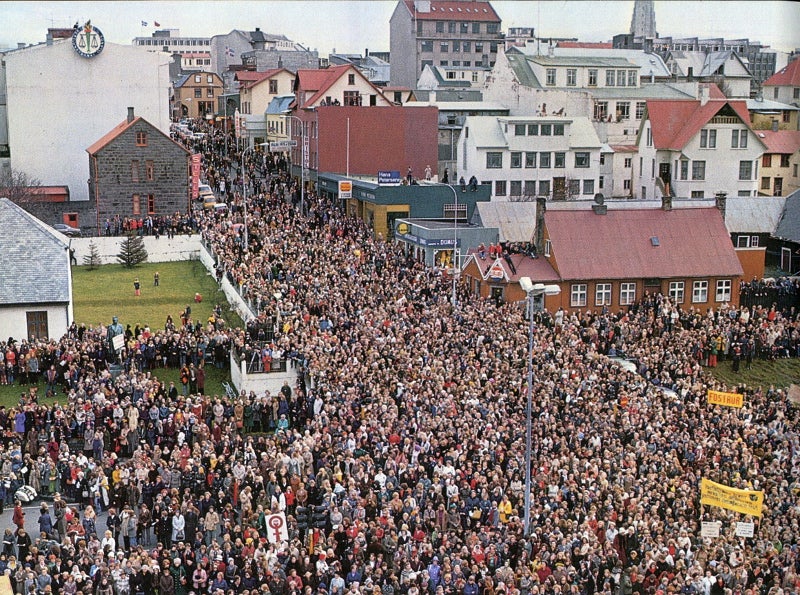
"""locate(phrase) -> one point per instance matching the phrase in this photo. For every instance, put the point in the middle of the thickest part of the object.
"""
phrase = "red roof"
(676, 121)
(603, 45)
(320, 80)
(788, 76)
(251, 81)
(784, 142)
(111, 135)
(618, 245)
(624, 148)
(538, 269)
(455, 10)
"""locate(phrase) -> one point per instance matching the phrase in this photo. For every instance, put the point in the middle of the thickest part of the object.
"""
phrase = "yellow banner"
(717, 397)
(744, 501)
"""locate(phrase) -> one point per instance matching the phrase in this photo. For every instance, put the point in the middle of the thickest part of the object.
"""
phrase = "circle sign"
(88, 41)
(402, 228)
(275, 521)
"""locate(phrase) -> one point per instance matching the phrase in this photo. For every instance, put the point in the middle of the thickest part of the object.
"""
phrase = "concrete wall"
(259, 383)
(60, 103)
(14, 322)
(158, 250)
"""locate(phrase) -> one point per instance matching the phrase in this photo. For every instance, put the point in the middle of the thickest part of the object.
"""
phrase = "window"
(141, 139)
(37, 324)
(766, 160)
(516, 159)
(640, 105)
(572, 77)
(602, 294)
(440, 26)
(456, 47)
(443, 63)
(530, 159)
(581, 159)
(574, 187)
(785, 160)
(530, 187)
(198, 92)
(273, 87)
(649, 137)
(500, 188)
(559, 159)
(588, 186)
(544, 187)
(151, 204)
(466, 46)
(724, 290)
(684, 169)
(754, 241)
(628, 162)
(558, 130)
(699, 292)
(676, 289)
(197, 78)
(744, 241)
(738, 139)
(577, 295)
(149, 172)
(592, 77)
(546, 129)
(515, 189)
(444, 47)
(533, 130)
(134, 171)
(794, 170)
(623, 109)
(708, 139)
(451, 27)
(765, 183)
(210, 78)
(698, 170)
(494, 160)
(519, 129)
(600, 110)
(626, 184)
(464, 28)
(610, 78)
(631, 78)
(627, 294)
(544, 160)
(352, 98)
(478, 47)
(620, 78)
(209, 91)
(697, 194)
(796, 93)
(426, 46)
(491, 27)
(745, 170)
(547, 246)
(551, 77)
(137, 206)
(451, 74)
(476, 28)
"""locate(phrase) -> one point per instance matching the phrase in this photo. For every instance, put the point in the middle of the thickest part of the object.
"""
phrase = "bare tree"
(17, 186)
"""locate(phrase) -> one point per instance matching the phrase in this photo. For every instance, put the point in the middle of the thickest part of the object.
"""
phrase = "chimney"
(704, 92)
(130, 115)
(541, 208)
(721, 198)
(49, 38)
(666, 202)
(366, 53)
(20, 45)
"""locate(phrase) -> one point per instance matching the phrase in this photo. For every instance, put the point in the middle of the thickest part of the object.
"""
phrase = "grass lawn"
(780, 373)
(108, 291)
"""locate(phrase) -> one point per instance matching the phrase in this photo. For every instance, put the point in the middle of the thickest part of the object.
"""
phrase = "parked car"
(205, 194)
(67, 230)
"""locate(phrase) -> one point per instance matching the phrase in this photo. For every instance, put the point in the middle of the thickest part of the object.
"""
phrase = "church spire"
(643, 23)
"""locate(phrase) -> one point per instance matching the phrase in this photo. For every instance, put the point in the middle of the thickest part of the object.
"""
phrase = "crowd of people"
(398, 458)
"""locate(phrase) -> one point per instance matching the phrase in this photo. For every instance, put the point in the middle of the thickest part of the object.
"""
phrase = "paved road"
(32, 518)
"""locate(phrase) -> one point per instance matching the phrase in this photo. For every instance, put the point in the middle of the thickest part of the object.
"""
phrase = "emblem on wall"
(88, 41)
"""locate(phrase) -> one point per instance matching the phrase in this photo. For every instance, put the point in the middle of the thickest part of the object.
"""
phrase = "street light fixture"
(244, 193)
(302, 159)
(453, 298)
(532, 290)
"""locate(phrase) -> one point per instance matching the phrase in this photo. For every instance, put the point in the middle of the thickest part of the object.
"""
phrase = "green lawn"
(780, 373)
(107, 291)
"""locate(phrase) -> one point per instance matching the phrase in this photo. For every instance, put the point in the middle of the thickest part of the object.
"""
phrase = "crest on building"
(88, 41)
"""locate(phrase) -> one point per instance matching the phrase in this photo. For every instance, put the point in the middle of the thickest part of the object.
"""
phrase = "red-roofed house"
(337, 85)
(780, 162)
(784, 85)
(461, 33)
(611, 258)
(257, 89)
(137, 171)
(697, 148)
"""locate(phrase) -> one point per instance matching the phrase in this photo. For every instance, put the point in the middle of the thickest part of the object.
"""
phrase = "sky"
(351, 26)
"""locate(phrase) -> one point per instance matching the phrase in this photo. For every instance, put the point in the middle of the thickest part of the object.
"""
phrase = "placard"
(710, 529)
(745, 529)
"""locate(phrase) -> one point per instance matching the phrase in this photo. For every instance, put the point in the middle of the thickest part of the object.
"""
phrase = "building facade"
(780, 162)
(784, 85)
(461, 33)
(196, 95)
(136, 171)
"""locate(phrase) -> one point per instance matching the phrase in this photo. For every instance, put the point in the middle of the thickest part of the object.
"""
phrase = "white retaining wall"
(180, 247)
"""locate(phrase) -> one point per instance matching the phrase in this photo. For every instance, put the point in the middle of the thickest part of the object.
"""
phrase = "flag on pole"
(144, 23)
(156, 23)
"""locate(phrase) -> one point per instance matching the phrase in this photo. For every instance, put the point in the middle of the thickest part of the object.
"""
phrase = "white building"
(695, 149)
(525, 157)
(59, 102)
(35, 292)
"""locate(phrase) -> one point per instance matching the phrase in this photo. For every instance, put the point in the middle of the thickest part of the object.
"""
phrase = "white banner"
(745, 529)
(710, 529)
(277, 531)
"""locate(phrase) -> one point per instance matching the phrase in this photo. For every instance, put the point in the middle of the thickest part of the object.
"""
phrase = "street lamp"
(531, 290)
(453, 298)
(244, 192)
(302, 159)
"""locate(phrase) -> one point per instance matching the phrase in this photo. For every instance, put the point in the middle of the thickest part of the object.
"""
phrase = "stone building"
(137, 171)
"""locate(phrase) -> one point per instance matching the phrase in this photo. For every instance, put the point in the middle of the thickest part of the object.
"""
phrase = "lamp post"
(453, 298)
(244, 193)
(302, 159)
(531, 291)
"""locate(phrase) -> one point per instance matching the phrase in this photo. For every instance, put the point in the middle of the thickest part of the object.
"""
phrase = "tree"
(92, 260)
(17, 186)
(132, 251)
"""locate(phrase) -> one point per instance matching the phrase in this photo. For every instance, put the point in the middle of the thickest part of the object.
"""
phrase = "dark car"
(67, 230)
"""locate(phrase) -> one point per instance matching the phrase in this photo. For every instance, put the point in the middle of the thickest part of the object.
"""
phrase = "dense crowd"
(399, 456)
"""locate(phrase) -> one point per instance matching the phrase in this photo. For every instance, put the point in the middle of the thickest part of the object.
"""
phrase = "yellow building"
(195, 95)
(780, 163)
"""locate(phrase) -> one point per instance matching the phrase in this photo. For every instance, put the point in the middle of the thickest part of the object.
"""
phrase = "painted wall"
(13, 320)
(158, 250)
(60, 103)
